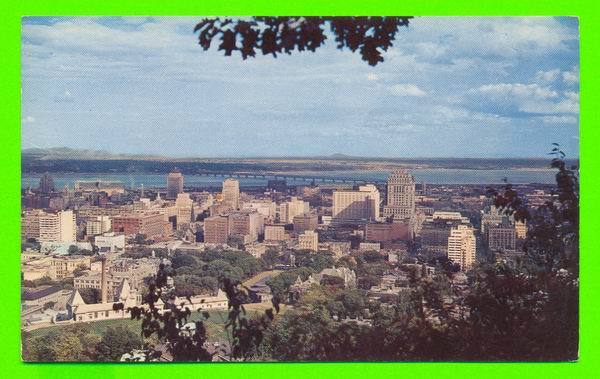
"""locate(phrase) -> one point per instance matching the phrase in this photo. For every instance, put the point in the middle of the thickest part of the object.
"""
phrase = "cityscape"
(151, 255)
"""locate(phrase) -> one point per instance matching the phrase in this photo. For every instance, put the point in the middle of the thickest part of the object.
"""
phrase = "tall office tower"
(174, 184)
(400, 195)
(58, 227)
(185, 208)
(356, 206)
(461, 246)
(231, 193)
(491, 217)
(46, 184)
(249, 224)
(216, 229)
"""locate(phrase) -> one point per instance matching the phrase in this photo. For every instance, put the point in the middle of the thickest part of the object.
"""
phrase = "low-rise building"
(275, 233)
(501, 238)
(110, 241)
(194, 303)
(42, 295)
(385, 232)
(304, 222)
(369, 246)
(63, 266)
(150, 224)
(308, 240)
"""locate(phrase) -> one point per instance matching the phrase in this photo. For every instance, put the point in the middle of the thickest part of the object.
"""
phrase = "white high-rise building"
(101, 224)
(400, 195)
(266, 208)
(58, 227)
(290, 209)
(352, 205)
(231, 193)
(462, 246)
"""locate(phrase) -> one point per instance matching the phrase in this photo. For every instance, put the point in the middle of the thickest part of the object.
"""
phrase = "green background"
(10, 27)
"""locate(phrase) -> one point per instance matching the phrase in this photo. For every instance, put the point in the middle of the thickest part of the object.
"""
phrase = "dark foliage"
(163, 318)
(276, 35)
(115, 342)
(90, 295)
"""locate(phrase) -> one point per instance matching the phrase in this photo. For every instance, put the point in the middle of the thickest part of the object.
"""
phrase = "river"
(427, 175)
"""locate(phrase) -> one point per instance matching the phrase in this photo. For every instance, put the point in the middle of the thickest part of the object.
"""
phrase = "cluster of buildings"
(80, 234)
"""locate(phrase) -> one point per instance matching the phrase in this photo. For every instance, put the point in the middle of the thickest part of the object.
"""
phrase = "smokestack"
(104, 289)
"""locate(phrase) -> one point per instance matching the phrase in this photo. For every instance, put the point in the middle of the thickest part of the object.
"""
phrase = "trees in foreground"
(79, 343)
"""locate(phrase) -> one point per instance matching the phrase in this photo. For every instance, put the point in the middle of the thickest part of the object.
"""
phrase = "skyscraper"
(231, 193)
(216, 229)
(185, 210)
(400, 195)
(461, 246)
(46, 184)
(174, 184)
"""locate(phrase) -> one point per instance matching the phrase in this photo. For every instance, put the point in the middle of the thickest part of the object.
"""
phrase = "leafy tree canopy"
(276, 35)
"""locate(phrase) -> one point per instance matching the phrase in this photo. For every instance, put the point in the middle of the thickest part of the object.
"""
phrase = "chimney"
(104, 289)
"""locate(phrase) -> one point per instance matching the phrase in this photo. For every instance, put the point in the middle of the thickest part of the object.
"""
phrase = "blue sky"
(450, 87)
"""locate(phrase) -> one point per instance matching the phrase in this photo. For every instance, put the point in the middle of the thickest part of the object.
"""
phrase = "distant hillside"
(58, 153)
(63, 159)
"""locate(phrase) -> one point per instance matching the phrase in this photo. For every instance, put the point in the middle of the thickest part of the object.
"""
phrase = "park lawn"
(215, 324)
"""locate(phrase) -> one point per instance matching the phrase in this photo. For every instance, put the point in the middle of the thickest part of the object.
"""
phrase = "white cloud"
(497, 36)
(28, 120)
(518, 99)
(87, 35)
(518, 90)
(569, 103)
(372, 77)
(571, 77)
(134, 20)
(548, 76)
(407, 90)
(560, 119)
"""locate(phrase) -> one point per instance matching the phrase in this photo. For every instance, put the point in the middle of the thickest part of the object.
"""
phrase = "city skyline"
(143, 86)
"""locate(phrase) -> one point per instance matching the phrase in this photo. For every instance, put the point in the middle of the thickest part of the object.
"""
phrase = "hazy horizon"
(328, 156)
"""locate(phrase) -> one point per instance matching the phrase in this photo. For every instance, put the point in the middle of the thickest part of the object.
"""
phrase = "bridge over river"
(292, 177)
